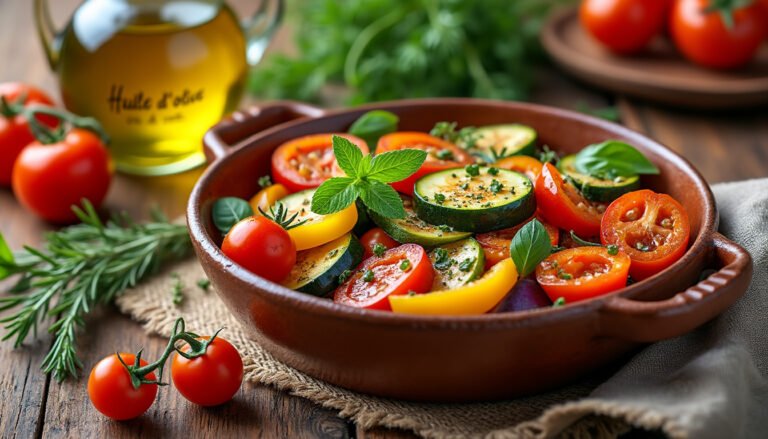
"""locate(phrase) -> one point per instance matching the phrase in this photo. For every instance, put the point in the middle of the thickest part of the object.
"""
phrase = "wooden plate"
(660, 74)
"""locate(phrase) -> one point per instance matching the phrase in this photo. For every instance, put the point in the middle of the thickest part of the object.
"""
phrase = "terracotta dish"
(482, 357)
(660, 74)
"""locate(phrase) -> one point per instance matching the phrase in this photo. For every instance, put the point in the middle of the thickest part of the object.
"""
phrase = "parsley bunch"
(408, 48)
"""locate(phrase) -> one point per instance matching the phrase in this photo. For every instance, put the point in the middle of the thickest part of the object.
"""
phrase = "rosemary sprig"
(279, 214)
(82, 266)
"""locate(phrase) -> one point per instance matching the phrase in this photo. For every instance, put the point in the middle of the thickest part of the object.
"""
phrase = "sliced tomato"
(653, 229)
(528, 166)
(441, 155)
(308, 161)
(496, 244)
(377, 278)
(376, 236)
(583, 272)
(267, 197)
(562, 204)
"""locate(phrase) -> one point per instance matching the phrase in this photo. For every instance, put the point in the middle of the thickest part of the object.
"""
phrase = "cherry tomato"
(562, 205)
(50, 179)
(704, 38)
(376, 236)
(308, 161)
(379, 277)
(496, 244)
(111, 391)
(583, 272)
(653, 229)
(14, 130)
(262, 247)
(528, 166)
(441, 155)
(624, 26)
(211, 379)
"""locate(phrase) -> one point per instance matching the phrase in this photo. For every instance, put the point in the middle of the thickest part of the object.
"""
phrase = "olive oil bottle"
(156, 74)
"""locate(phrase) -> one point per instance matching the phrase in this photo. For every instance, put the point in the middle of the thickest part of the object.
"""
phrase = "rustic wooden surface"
(724, 146)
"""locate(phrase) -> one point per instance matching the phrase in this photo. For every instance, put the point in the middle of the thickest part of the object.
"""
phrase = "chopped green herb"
(204, 284)
(473, 170)
(496, 186)
(442, 261)
(548, 156)
(265, 181)
(563, 275)
(368, 276)
(344, 276)
(439, 198)
(666, 223)
(444, 154)
(493, 171)
(464, 186)
(642, 247)
(613, 249)
(559, 302)
(411, 293)
(445, 228)
(178, 289)
(405, 265)
(378, 249)
(466, 264)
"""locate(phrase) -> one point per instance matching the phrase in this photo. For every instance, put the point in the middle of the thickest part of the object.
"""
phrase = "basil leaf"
(529, 247)
(334, 195)
(6, 258)
(348, 155)
(382, 199)
(394, 166)
(374, 124)
(228, 211)
(612, 159)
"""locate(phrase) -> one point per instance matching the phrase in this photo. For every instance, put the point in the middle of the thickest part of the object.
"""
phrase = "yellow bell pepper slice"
(318, 229)
(475, 297)
(267, 197)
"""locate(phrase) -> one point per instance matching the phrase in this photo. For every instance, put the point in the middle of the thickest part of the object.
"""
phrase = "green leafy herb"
(466, 264)
(442, 261)
(368, 275)
(466, 137)
(178, 289)
(265, 181)
(439, 198)
(529, 247)
(444, 154)
(405, 265)
(344, 276)
(493, 171)
(613, 249)
(367, 179)
(81, 267)
(204, 284)
(583, 242)
(374, 124)
(547, 155)
(279, 214)
(228, 211)
(496, 186)
(379, 249)
(612, 159)
(473, 170)
(559, 302)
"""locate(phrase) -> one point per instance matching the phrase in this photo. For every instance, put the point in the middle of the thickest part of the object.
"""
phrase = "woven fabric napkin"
(711, 383)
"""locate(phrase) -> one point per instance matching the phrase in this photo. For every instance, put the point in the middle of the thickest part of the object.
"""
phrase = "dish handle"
(240, 125)
(643, 322)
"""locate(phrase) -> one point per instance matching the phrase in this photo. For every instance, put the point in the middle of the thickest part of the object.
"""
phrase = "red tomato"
(379, 277)
(441, 155)
(262, 247)
(308, 161)
(624, 26)
(111, 391)
(376, 236)
(704, 38)
(583, 272)
(528, 166)
(562, 205)
(496, 244)
(211, 379)
(50, 179)
(14, 130)
(653, 229)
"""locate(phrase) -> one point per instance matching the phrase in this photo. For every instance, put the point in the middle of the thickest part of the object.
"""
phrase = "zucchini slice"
(317, 270)
(498, 141)
(456, 264)
(493, 199)
(413, 229)
(596, 189)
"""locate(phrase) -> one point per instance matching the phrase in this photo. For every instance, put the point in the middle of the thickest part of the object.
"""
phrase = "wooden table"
(725, 146)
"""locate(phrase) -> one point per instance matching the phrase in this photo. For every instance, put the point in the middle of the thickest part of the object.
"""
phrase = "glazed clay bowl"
(483, 357)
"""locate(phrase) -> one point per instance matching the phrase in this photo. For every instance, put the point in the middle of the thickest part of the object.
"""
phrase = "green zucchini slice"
(498, 141)
(493, 199)
(456, 264)
(596, 189)
(413, 229)
(317, 270)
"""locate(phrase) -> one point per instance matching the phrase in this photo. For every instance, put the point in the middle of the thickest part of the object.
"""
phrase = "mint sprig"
(612, 159)
(367, 178)
(529, 247)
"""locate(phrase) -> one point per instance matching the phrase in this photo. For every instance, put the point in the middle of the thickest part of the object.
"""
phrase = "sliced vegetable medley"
(447, 222)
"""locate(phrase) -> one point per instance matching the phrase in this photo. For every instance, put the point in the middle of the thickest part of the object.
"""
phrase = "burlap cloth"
(710, 383)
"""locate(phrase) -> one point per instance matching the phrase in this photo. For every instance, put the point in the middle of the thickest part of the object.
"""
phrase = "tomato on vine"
(112, 392)
(209, 379)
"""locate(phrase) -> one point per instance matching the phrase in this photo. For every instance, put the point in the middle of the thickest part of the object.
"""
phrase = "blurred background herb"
(384, 49)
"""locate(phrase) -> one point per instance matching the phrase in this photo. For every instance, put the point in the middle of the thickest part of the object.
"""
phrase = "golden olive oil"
(156, 74)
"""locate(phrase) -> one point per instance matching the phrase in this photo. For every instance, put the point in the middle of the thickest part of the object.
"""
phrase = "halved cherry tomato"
(376, 236)
(308, 161)
(211, 379)
(528, 166)
(704, 38)
(562, 204)
(583, 272)
(653, 229)
(267, 197)
(262, 247)
(380, 277)
(624, 26)
(475, 297)
(112, 393)
(496, 244)
(441, 155)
